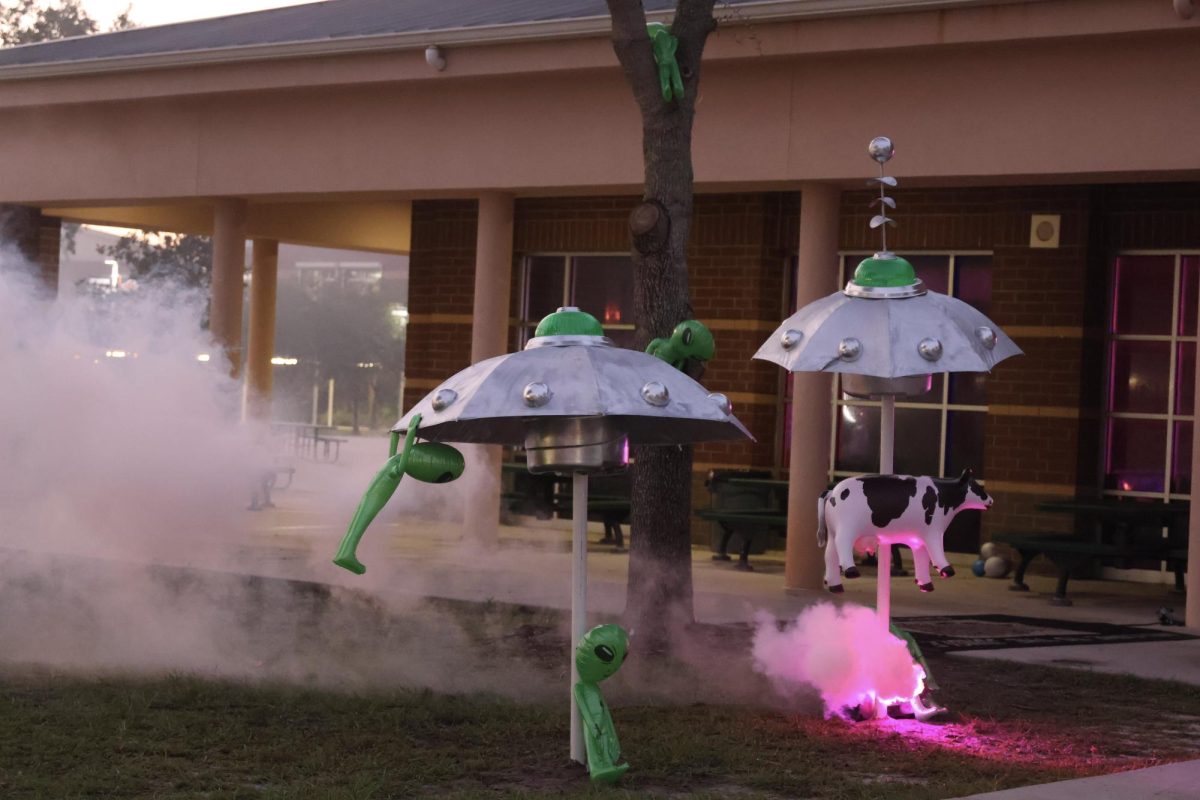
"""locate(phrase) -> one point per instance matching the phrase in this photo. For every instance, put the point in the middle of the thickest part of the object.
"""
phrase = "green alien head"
(601, 652)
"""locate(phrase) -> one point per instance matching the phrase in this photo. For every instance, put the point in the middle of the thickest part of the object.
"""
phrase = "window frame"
(525, 325)
(1174, 339)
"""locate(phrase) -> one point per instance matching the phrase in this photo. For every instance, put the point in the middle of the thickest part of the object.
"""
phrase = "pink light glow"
(839, 651)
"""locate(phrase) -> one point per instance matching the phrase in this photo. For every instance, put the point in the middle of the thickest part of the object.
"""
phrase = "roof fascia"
(745, 14)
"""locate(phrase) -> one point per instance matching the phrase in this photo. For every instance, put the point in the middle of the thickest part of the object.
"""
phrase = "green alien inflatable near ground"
(598, 656)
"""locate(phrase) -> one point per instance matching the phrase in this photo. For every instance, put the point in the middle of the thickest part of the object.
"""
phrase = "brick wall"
(1044, 430)
(1043, 433)
(441, 288)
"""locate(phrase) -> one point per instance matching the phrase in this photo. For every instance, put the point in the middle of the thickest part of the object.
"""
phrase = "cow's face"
(977, 497)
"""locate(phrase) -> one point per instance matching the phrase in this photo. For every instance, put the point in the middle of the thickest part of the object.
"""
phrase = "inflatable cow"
(881, 510)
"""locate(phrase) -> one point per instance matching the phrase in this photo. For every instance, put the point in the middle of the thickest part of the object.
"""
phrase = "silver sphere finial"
(881, 149)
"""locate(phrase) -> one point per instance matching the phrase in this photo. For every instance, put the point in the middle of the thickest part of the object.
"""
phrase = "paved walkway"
(1170, 782)
(530, 565)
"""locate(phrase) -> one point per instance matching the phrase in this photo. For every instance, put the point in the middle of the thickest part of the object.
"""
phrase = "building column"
(489, 337)
(228, 269)
(808, 465)
(1192, 606)
(264, 271)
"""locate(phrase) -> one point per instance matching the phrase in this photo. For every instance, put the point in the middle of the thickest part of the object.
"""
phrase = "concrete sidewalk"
(1179, 781)
(530, 564)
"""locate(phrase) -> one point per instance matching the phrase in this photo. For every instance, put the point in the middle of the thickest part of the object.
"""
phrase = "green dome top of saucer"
(879, 272)
(569, 321)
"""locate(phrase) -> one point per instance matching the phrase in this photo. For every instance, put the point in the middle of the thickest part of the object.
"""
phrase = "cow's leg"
(833, 573)
(845, 552)
(938, 554)
(921, 565)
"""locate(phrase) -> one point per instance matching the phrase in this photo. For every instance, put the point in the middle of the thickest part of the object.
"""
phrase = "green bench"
(743, 524)
(549, 495)
(747, 505)
(1070, 553)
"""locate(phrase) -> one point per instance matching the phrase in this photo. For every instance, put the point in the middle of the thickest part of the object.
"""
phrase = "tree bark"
(659, 600)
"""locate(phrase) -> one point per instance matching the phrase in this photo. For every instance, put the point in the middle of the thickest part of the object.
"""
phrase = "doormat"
(1001, 632)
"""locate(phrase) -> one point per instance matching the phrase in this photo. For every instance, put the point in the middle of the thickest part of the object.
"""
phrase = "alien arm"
(914, 650)
(382, 487)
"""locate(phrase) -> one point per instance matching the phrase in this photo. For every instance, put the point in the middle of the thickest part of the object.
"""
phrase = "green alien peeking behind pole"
(429, 462)
(598, 656)
(690, 346)
(665, 45)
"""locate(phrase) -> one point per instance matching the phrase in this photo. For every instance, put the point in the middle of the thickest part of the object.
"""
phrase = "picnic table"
(311, 441)
(1117, 531)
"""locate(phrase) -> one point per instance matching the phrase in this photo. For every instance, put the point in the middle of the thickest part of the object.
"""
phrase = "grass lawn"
(66, 736)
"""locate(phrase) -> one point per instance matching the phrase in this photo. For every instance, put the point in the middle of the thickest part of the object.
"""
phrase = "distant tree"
(183, 258)
(344, 333)
(28, 21)
(124, 20)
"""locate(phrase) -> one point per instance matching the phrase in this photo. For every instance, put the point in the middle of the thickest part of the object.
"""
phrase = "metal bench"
(1069, 553)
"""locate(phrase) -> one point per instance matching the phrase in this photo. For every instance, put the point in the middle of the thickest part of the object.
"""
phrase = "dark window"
(601, 285)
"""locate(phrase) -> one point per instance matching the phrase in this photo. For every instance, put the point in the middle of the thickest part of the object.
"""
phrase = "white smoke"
(115, 436)
(842, 652)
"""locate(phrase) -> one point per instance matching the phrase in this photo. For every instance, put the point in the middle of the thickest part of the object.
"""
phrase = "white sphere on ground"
(996, 567)
(988, 550)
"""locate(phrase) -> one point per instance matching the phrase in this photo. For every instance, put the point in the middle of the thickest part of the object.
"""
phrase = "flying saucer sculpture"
(886, 325)
(575, 402)
(887, 334)
(572, 381)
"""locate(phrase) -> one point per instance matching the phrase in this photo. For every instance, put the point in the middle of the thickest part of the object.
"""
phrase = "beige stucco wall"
(1049, 91)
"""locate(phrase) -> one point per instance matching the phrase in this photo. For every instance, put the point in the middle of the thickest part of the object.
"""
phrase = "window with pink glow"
(1151, 374)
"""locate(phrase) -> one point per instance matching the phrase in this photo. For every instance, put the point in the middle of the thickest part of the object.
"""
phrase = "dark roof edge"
(746, 13)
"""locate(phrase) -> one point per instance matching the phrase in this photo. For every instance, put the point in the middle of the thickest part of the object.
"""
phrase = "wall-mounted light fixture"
(435, 58)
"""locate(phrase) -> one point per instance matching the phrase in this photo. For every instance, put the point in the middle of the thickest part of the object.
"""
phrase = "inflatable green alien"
(598, 656)
(430, 462)
(690, 346)
(664, 44)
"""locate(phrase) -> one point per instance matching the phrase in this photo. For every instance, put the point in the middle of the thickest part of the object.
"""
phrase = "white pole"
(887, 435)
(316, 404)
(883, 551)
(329, 406)
(578, 602)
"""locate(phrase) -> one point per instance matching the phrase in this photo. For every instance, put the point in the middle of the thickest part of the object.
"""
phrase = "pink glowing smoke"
(842, 652)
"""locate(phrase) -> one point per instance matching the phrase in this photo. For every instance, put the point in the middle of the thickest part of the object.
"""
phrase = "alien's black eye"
(687, 336)
(605, 653)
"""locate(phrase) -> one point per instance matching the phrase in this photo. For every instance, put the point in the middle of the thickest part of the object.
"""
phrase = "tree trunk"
(660, 560)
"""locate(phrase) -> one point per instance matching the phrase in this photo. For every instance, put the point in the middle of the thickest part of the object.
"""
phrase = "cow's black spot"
(833, 502)
(929, 503)
(845, 493)
(887, 497)
(951, 494)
